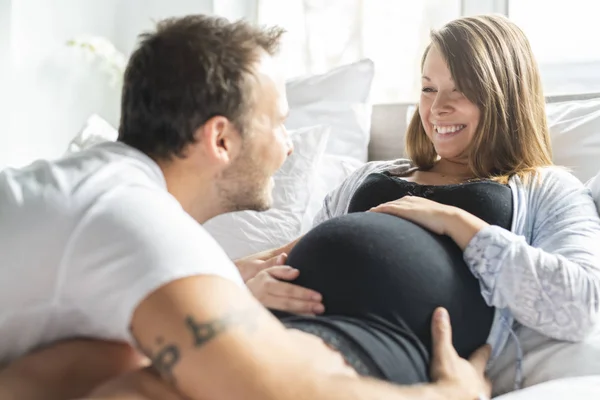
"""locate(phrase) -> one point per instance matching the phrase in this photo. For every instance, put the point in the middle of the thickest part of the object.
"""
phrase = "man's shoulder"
(111, 164)
(77, 179)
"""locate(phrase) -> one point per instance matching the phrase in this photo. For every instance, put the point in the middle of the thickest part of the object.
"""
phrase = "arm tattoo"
(165, 359)
(204, 332)
(168, 355)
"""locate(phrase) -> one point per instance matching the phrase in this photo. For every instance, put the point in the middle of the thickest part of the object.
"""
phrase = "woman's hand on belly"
(439, 218)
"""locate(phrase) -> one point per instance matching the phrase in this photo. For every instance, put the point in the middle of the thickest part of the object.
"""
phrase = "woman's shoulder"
(396, 166)
(356, 178)
(549, 178)
(553, 192)
(560, 174)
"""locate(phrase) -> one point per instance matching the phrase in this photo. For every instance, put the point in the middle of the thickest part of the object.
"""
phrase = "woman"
(478, 196)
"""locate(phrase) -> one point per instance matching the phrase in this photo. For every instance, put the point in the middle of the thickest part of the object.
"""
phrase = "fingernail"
(316, 297)
(442, 315)
(319, 309)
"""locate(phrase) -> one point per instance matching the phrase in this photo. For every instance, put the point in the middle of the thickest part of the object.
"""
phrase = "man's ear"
(219, 140)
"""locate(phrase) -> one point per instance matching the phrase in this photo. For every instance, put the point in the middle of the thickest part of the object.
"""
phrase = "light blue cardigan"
(545, 273)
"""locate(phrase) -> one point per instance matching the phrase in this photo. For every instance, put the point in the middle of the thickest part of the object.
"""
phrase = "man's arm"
(212, 340)
(67, 370)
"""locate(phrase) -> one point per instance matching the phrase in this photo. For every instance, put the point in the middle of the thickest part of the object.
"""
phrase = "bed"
(335, 130)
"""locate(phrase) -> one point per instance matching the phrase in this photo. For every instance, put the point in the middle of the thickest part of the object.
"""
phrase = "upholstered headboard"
(388, 125)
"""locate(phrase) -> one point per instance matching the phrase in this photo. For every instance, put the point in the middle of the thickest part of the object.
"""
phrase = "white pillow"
(332, 171)
(246, 232)
(339, 99)
(575, 130)
(582, 388)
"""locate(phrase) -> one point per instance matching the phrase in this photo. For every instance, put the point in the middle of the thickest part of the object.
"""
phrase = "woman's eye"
(428, 90)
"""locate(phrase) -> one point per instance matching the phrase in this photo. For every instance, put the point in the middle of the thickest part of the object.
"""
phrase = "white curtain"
(5, 75)
(568, 54)
(323, 34)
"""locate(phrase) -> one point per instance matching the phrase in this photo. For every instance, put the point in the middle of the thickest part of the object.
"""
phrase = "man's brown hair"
(190, 70)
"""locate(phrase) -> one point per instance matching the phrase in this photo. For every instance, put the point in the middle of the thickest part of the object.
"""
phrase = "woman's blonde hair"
(492, 64)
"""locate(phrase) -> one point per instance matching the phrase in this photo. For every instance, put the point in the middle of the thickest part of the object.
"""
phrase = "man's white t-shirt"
(84, 239)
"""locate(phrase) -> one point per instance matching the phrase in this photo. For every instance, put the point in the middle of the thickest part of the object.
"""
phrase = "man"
(107, 244)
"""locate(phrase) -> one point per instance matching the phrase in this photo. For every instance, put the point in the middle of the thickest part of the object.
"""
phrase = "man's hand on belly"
(268, 288)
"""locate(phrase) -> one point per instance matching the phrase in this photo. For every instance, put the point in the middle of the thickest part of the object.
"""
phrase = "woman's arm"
(551, 285)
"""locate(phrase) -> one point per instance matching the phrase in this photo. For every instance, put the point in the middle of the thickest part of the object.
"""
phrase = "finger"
(391, 209)
(295, 306)
(381, 208)
(480, 357)
(283, 272)
(284, 289)
(488, 386)
(257, 268)
(441, 333)
(277, 260)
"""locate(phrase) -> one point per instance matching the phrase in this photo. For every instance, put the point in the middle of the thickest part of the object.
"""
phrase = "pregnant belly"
(376, 265)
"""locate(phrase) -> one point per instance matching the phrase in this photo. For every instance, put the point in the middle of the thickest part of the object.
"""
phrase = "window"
(5, 70)
(565, 38)
(325, 34)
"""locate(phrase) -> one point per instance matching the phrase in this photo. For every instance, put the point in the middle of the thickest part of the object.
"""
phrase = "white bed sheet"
(580, 388)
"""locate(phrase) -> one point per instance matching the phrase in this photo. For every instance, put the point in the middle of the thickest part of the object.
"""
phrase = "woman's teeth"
(448, 128)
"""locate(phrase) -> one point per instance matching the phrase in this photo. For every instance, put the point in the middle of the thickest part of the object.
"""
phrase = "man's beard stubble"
(243, 186)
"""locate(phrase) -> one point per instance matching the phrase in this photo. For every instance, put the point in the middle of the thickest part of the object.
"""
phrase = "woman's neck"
(455, 169)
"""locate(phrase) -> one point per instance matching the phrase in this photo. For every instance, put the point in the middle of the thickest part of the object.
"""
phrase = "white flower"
(101, 49)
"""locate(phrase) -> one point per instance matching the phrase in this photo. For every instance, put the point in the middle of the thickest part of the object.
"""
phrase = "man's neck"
(196, 194)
